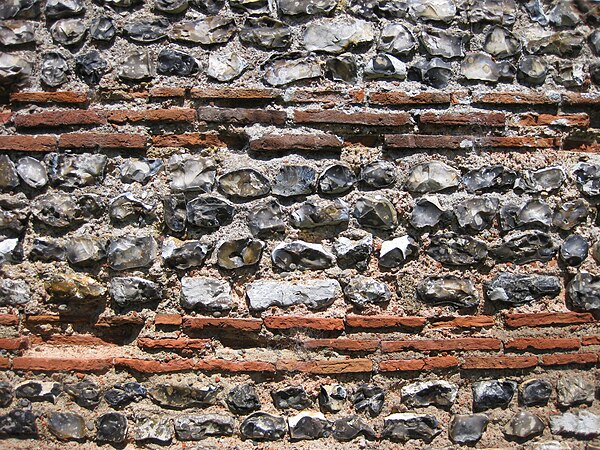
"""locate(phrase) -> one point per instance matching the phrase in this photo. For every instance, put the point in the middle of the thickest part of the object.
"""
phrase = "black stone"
(587, 177)
(111, 427)
(242, 399)
(90, 67)
(337, 179)
(342, 68)
(308, 426)
(525, 247)
(378, 174)
(207, 211)
(294, 180)
(57, 9)
(171, 6)
(147, 30)
(261, 426)
(172, 62)
(18, 423)
(535, 392)
(574, 250)
(332, 397)
(38, 392)
(570, 214)
(532, 70)
(6, 394)
(516, 289)
(467, 429)
(265, 32)
(175, 212)
(435, 72)
(492, 394)
(266, 218)
(86, 393)
(353, 253)
(122, 395)
(376, 212)
(403, 427)
(350, 427)
(102, 29)
(489, 178)
(448, 290)
(46, 251)
(188, 254)
(584, 292)
(368, 397)
(54, 69)
(291, 397)
(456, 250)
(209, 7)
(19, 9)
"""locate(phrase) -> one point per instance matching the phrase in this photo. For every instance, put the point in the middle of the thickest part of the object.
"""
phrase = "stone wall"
(254, 224)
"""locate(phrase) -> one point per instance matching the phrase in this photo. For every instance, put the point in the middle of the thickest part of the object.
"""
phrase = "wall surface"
(299, 224)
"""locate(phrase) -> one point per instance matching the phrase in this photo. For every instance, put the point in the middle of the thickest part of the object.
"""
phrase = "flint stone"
(308, 426)
(136, 66)
(433, 176)
(378, 174)
(266, 218)
(385, 66)
(102, 29)
(19, 8)
(210, 212)
(501, 43)
(524, 247)
(291, 397)
(191, 174)
(401, 427)
(376, 212)
(479, 66)
(536, 12)
(297, 7)
(130, 291)
(127, 208)
(582, 424)
(535, 392)
(336, 36)
(171, 6)
(524, 425)
(368, 397)
(343, 68)
(300, 255)
(456, 250)
(491, 394)
(244, 184)
(242, 399)
(477, 213)
(336, 179)
(438, 393)
(594, 40)
(9, 251)
(72, 171)
(563, 15)
(154, 429)
(121, 3)
(397, 252)
(570, 75)
(363, 291)
(543, 180)
(533, 213)
(62, 210)
(443, 43)
(282, 71)
(54, 69)
(532, 70)
(206, 31)
(565, 44)
(67, 426)
(583, 292)
(85, 251)
(237, 253)
(9, 178)
(315, 294)
(396, 39)
(516, 289)
(432, 10)
(574, 250)
(316, 213)
(14, 70)
(182, 397)
(574, 390)
(225, 66)
(587, 177)
(38, 391)
(495, 11)
(261, 426)
(251, 6)
(448, 290)
(175, 212)
(488, 178)
(123, 394)
(56, 9)
(139, 170)
(172, 62)
(467, 429)
(85, 393)
(294, 180)
(17, 32)
(46, 251)
(184, 255)
(332, 397)
(348, 428)
(130, 252)
(90, 67)
(427, 212)
(195, 427)
(18, 422)
(353, 253)
(6, 394)
(111, 427)
(73, 287)
(209, 7)
(68, 31)
(199, 293)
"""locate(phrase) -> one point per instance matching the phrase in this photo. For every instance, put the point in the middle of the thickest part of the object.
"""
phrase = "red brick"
(386, 119)
(19, 343)
(410, 365)
(235, 94)
(241, 116)
(154, 366)
(539, 343)
(60, 118)
(493, 119)
(173, 344)
(26, 143)
(283, 142)
(9, 319)
(103, 141)
(566, 120)
(224, 365)
(499, 362)
(590, 340)
(171, 115)
(464, 322)
(547, 319)
(188, 140)
(49, 97)
(163, 92)
(385, 321)
(345, 345)
(397, 98)
(325, 96)
(5, 117)
(450, 344)
(575, 99)
(4, 363)
(404, 141)
(200, 323)
(314, 323)
(325, 367)
(80, 364)
(118, 321)
(514, 98)
(569, 358)
(83, 340)
(168, 319)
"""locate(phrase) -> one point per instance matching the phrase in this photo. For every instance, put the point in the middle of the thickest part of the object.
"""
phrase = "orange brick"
(200, 323)
(397, 98)
(324, 367)
(346, 345)
(241, 116)
(591, 340)
(451, 344)
(168, 319)
(49, 97)
(410, 365)
(569, 358)
(537, 343)
(173, 344)
(490, 119)
(102, 141)
(385, 321)
(314, 323)
(499, 362)
(171, 115)
(19, 343)
(224, 365)
(60, 118)
(163, 92)
(81, 364)
(9, 319)
(284, 142)
(188, 140)
(464, 322)
(547, 319)
(235, 94)
(386, 119)
(27, 143)
(154, 366)
(514, 98)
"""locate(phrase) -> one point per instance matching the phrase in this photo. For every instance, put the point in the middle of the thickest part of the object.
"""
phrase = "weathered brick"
(575, 99)
(499, 362)
(235, 94)
(314, 323)
(4, 363)
(60, 118)
(452, 344)
(411, 141)
(325, 367)
(164, 92)
(171, 115)
(200, 323)
(489, 119)
(133, 319)
(225, 365)
(18, 343)
(386, 119)
(541, 343)
(168, 319)
(590, 340)
(5, 117)
(152, 366)
(103, 141)
(411, 365)
(26, 143)
(569, 358)
(241, 116)
(75, 340)
(324, 96)
(515, 98)
(463, 322)
(565, 120)
(385, 321)
(547, 319)
(49, 97)
(308, 142)
(80, 364)
(188, 140)
(345, 345)
(174, 343)
(9, 319)
(397, 98)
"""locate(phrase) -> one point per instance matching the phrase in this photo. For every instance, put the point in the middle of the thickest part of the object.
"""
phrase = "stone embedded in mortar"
(121, 3)
(438, 393)
(102, 29)
(587, 177)
(181, 396)
(396, 39)
(225, 66)
(171, 6)
(309, 426)
(479, 66)
(433, 176)
(136, 66)
(73, 287)
(342, 68)
(376, 212)
(237, 253)
(524, 425)
(191, 174)
(209, 7)
(353, 253)
(402, 427)
(294, 397)
(280, 72)
(491, 394)
(574, 250)
(336, 179)
(582, 424)
(250, 6)
(90, 67)
(583, 292)
(19, 9)
(244, 184)
(501, 43)
(385, 66)
(127, 208)
(294, 180)
(432, 10)
(489, 178)
(7, 394)
(563, 15)
(332, 397)
(298, 7)
(315, 294)
(457, 250)
(71, 171)
(516, 289)
(448, 290)
(10, 250)
(68, 31)
(67, 426)
(175, 212)
(46, 251)
(17, 32)
(476, 213)
(205, 294)
(378, 174)
(532, 70)
(435, 72)
(363, 291)
(266, 218)
(535, 213)
(172, 62)
(209, 212)
(111, 427)
(594, 41)
(84, 251)
(184, 255)
(547, 179)
(467, 429)
(261, 426)
(444, 44)
(155, 429)
(208, 30)
(139, 170)
(57, 9)
(9, 178)
(396, 252)
(350, 427)
(368, 397)
(85, 393)
(14, 292)
(14, 70)
(522, 247)
(535, 392)
(242, 399)
(38, 391)
(565, 44)
(130, 252)
(121, 395)
(54, 69)
(300, 255)
(574, 390)
(132, 291)
(14, 214)
(570, 75)
(427, 212)
(494, 11)
(337, 35)
(18, 423)
(318, 212)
